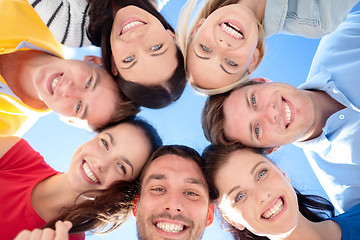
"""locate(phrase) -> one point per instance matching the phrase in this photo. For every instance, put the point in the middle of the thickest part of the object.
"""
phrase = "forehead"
(175, 167)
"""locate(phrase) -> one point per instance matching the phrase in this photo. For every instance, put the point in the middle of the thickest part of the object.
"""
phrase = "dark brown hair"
(312, 207)
(100, 24)
(110, 207)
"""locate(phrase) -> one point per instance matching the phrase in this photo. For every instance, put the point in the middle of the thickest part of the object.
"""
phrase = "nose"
(270, 113)
(70, 90)
(263, 195)
(173, 203)
(102, 164)
(222, 42)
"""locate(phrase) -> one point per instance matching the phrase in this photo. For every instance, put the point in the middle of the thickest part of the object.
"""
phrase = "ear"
(254, 60)
(197, 26)
(172, 35)
(113, 67)
(271, 150)
(260, 79)
(210, 215)
(93, 59)
(135, 204)
(237, 225)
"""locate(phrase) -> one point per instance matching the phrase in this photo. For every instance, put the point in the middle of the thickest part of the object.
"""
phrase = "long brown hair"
(312, 207)
(100, 24)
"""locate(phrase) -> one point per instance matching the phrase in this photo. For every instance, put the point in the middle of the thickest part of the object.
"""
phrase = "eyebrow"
(251, 172)
(204, 58)
(155, 177)
(158, 54)
(97, 80)
(194, 181)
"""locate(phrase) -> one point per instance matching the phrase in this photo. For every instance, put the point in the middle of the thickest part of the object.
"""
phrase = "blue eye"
(157, 47)
(257, 131)
(88, 83)
(128, 59)
(205, 49)
(191, 193)
(239, 196)
(253, 101)
(261, 174)
(158, 189)
(231, 63)
(78, 107)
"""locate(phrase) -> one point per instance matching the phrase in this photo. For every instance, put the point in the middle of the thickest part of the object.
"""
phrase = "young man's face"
(174, 200)
(79, 89)
(268, 114)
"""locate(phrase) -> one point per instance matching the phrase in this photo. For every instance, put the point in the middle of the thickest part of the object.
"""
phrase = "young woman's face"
(223, 47)
(79, 89)
(118, 153)
(254, 193)
(143, 50)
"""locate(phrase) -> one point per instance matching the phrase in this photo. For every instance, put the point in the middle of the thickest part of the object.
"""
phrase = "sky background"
(288, 59)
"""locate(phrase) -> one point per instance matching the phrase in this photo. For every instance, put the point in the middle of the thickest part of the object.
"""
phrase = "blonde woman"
(225, 43)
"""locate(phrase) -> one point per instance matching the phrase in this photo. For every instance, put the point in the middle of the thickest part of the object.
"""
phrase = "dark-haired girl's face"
(143, 51)
(256, 194)
(117, 153)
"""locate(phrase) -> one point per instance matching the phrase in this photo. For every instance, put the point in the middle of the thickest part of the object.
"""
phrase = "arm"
(66, 19)
(6, 143)
(61, 232)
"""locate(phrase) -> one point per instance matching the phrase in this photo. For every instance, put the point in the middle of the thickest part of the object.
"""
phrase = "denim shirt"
(335, 154)
(307, 18)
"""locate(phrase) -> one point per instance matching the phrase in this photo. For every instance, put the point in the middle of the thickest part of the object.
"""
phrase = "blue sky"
(288, 59)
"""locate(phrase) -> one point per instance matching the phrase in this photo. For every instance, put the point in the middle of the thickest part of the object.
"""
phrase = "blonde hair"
(185, 28)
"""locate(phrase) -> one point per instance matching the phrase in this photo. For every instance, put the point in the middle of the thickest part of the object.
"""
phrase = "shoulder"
(6, 143)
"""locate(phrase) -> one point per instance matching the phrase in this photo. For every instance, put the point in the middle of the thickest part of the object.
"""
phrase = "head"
(118, 152)
(252, 192)
(261, 114)
(82, 90)
(224, 45)
(173, 197)
(140, 50)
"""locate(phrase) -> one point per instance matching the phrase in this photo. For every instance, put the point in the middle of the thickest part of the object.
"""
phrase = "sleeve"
(67, 20)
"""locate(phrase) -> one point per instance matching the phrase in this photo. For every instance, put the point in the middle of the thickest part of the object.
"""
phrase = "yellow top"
(21, 29)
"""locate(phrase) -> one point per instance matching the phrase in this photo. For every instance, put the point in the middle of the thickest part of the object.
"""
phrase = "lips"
(89, 173)
(233, 29)
(53, 82)
(274, 210)
(287, 113)
(170, 227)
(131, 23)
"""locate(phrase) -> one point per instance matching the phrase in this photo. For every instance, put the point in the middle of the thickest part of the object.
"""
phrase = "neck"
(311, 230)
(51, 195)
(256, 6)
(324, 107)
(18, 69)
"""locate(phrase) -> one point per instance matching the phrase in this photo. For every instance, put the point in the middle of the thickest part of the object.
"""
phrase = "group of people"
(172, 190)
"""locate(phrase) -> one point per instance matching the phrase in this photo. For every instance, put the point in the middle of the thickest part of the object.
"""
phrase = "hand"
(61, 232)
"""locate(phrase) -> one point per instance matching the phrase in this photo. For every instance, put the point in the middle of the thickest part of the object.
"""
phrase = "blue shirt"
(335, 154)
(349, 223)
(307, 18)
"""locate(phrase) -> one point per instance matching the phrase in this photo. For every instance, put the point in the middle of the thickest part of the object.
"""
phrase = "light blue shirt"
(335, 154)
(307, 18)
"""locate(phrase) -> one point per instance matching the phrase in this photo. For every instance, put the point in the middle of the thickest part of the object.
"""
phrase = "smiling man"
(34, 77)
(322, 116)
(174, 197)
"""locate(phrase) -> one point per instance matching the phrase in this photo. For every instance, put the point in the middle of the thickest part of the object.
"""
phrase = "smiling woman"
(117, 154)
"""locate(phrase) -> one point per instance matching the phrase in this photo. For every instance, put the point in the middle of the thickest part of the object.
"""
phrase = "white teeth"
(170, 227)
(287, 112)
(275, 210)
(89, 173)
(132, 24)
(55, 81)
(232, 30)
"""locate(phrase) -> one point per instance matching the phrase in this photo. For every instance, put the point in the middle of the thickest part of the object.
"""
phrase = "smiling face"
(254, 193)
(223, 47)
(77, 89)
(143, 50)
(117, 153)
(174, 200)
(268, 114)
